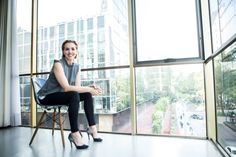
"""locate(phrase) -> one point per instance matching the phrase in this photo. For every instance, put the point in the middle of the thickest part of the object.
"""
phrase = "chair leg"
(37, 127)
(61, 127)
(53, 121)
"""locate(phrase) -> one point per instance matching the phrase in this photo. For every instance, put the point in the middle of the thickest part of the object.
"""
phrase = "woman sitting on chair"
(63, 87)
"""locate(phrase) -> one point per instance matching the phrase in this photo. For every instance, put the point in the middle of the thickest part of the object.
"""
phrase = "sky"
(53, 11)
(61, 11)
(166, 28)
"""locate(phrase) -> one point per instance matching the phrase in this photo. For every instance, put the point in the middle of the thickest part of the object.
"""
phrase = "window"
(24, 35)
(170, 100)
(225, 89)
(70, 29)
(223, 21)
(100, 22)
(52, 32)
(62, 31)
(166, 30)
(101, 36)
(90, 38)
(80, 26)
(87, 26)
(171, 95)
(90, 24)
(24, 50)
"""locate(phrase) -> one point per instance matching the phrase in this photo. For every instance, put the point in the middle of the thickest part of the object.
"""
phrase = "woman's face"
(70, 51)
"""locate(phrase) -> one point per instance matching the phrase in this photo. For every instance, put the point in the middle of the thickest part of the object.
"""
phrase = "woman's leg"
(71, 99)
(88, 107)
(89, 112)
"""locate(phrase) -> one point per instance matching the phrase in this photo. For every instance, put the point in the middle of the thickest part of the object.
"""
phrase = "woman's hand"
(95, 90)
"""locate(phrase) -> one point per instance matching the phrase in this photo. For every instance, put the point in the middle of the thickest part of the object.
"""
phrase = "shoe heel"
(80, 134)
(70, 144)
(70, 139)
(88, 133)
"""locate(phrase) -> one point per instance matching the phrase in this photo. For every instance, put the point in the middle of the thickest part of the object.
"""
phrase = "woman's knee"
(88, 95)
(74, 96)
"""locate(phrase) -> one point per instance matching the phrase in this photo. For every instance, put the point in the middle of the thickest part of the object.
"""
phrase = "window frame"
(169, 61)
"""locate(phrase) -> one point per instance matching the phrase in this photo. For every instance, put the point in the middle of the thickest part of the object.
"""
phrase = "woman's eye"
(67, 49)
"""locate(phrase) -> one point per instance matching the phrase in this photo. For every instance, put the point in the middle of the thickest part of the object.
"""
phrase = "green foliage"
(229, 85)
(122, 102)
(120, 88)
(225, 82)
(189, 88)
(157, 117)
(162, 104)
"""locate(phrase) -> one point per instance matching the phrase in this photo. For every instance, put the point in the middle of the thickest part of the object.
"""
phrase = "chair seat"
(48, 107)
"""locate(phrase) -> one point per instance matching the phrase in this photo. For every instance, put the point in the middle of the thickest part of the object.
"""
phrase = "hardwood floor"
(14, 142)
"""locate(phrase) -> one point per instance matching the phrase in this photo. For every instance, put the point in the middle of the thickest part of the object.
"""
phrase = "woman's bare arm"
(61, 78)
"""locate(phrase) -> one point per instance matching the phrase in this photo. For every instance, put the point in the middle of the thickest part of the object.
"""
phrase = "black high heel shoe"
(94, 139)
(84, 146)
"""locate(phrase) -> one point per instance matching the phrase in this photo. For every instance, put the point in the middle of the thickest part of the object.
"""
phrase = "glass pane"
(101, 30)
(166, 29)
(112, 108)
(23, 49)
(25, 100)
(24, 34)
(225, 90)
(223, 21)
(170, 100)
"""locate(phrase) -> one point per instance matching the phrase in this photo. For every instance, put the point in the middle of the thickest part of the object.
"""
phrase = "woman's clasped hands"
(95, 90)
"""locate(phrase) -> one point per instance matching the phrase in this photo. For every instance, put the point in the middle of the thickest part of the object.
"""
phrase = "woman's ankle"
(77, 138)
(93, 130)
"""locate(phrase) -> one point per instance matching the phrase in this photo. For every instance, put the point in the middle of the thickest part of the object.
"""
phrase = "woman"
(63, 87)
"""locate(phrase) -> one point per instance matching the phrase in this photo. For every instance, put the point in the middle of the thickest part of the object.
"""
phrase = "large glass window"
(24, 50)
(112, 108)
(70, 25)
(225, 90)
(166, 29)
(170, 100)
(102, 43)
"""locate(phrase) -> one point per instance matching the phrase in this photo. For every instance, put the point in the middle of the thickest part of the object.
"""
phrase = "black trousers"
(72, 99)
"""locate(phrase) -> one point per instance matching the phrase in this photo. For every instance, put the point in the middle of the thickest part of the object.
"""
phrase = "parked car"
(232, 116)
(197, 116)
(231, 150)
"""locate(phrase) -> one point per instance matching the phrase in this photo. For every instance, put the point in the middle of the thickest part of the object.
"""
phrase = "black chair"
(56, 117)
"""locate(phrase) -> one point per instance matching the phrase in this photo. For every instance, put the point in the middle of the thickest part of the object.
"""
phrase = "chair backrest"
(37, 85)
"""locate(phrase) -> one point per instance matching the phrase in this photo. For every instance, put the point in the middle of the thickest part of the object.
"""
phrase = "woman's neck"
(70, 62)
